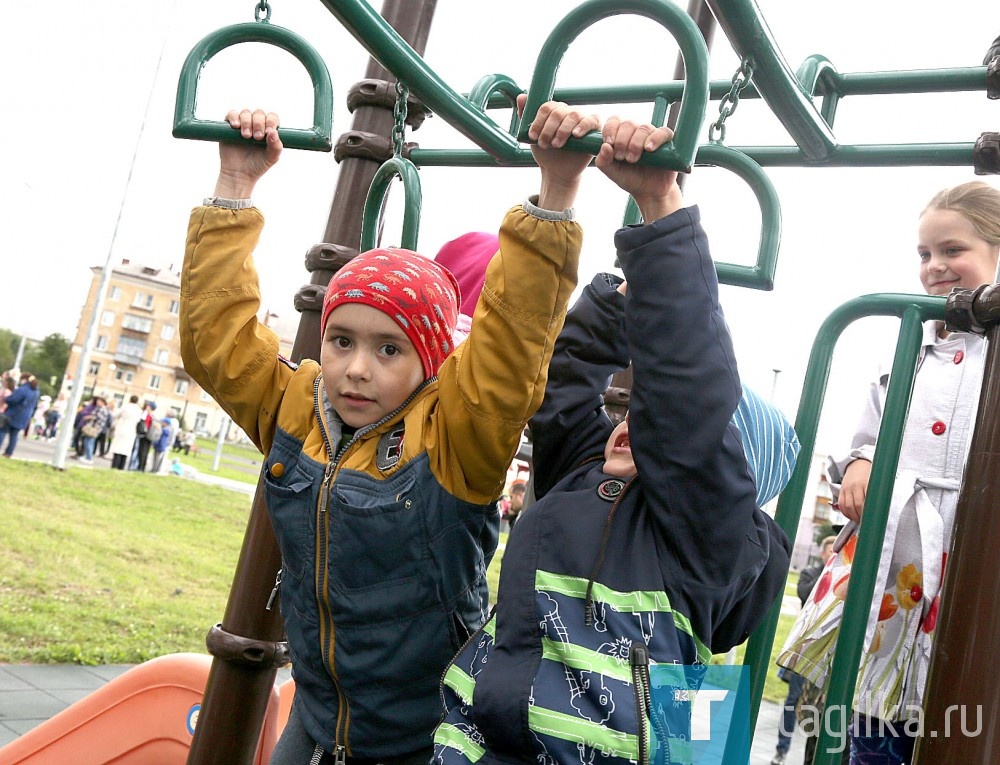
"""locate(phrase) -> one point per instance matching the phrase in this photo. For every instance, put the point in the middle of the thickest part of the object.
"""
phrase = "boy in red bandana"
(384, 461)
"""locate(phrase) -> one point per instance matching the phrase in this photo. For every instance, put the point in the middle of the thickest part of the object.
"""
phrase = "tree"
(8, 349)
(47, 361)
(823, 530)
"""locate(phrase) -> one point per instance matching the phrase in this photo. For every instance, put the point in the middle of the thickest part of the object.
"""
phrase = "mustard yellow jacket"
(384, 545)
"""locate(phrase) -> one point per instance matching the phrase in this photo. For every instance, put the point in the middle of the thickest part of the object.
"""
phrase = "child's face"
(618, 453)
(370, 367)
(952, 254)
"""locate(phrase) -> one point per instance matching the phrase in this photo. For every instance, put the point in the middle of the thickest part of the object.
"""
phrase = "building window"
(95, 367)
(124, 375)
(132, 346)
(154, 382)
(108, 319)
(119, 400)
(175, 306)
(206, 396)
(167, 333)
(162, 356)
(115, 293)
(102, 343)
(142, 300)
(200, 421)
(138, 323)
(181, 388)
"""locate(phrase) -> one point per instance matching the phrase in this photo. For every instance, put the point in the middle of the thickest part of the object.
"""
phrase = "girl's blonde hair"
(978, 202)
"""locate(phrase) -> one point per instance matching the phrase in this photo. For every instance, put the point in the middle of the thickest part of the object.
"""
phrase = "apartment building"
(137, 350)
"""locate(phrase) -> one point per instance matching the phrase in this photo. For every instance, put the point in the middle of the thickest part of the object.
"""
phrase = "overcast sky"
(78, 80)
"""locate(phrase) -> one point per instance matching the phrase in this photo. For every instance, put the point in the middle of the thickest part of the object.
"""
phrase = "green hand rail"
(393, 52)
(501, 84)
(751, 38)
(761, 275)
(817, 70)
(406, 171)
(679, 152)
(912, 310)
(186, 125)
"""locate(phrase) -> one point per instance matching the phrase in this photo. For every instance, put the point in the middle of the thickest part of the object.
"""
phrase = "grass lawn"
(107, 566)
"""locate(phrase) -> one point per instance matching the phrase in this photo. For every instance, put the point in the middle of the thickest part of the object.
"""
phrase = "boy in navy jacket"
(646, 544)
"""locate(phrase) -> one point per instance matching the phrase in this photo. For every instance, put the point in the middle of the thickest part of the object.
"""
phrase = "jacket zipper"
(338, 755)
(274, 590)
(326, 627)
(454, 658)
(639, 660)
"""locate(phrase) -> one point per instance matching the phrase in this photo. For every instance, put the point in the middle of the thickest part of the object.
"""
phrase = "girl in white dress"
(958, 245)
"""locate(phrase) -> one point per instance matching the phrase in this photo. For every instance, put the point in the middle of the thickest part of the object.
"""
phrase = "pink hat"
(467, 257)
(418, 294)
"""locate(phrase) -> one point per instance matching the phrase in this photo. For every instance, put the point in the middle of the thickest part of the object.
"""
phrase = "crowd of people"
(132, 437)
(18, 400)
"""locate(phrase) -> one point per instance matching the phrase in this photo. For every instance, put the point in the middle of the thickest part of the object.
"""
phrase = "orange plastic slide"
(145, 716)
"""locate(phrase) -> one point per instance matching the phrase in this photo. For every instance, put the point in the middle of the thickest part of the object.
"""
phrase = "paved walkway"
(32, 693)
(32, 450)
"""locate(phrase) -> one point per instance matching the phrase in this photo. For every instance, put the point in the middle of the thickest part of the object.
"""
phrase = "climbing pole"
(247, 644)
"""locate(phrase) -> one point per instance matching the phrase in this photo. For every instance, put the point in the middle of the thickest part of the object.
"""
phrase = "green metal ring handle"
(406, 171)
(186, 125)
(481, 92)
(678, 153)
(761, 275)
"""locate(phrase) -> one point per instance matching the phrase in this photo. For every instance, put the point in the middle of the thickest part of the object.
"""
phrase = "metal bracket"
(973, 310)
(329, 257)
(236, 649)
(359, 144)
(309, 298)
(986, 154)
(382, 93)
(993, 72)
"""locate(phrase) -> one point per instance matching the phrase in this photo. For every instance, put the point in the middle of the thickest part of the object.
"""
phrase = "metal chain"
(262, 8)
(729, 102)
(399, 112)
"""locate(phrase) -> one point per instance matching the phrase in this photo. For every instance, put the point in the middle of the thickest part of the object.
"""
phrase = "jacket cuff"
(531, 207)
